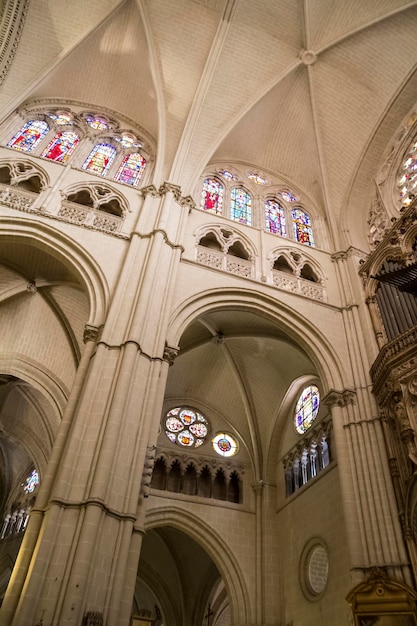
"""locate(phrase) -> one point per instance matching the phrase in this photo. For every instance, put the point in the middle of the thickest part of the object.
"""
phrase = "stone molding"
(12, 20)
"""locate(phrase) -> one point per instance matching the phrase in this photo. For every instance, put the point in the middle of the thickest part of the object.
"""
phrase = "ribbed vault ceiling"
(297, 88)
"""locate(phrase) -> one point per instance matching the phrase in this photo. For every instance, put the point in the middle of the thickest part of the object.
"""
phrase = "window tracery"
(277, 211)
(310, 457)
(61, 147)
(225, 249)
(306, 409)
(55, 134)
(29, 136)
(198, 477)
(186, 426)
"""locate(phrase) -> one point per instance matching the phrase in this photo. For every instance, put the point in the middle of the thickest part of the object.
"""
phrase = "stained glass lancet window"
(241, 206)
(61, 147)
(186, 426)
(28, 137)
(306, 409)
(407, 182)
(31, 482)
(275, 218)
(212, 196)
(131, 170)
(303, 233)
(100, 159)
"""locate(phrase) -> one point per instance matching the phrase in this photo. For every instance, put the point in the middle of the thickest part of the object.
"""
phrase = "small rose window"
(186, 426)
(224, 444)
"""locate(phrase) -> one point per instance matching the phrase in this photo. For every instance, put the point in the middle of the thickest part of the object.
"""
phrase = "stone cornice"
(12, 20)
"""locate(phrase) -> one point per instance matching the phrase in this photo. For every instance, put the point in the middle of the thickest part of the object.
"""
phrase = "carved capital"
(170, 353)
(341, 255)
(339, 398)
(188, 201)
(258, 486)
(92, 333)
(169, 187)
(150, 190)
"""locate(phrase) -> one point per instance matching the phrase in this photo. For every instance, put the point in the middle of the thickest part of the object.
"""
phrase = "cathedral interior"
(208, 313)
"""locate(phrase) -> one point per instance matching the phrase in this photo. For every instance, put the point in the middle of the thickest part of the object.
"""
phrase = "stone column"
(373, 529)
(80, 542)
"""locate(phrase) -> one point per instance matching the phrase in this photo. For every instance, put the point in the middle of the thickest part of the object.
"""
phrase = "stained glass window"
(228, 175)
(186, 426)
(212, 196)
(61, 147)
(61, 118)
(224, 444)
(32, 481)
(275, 218)
(128, 141)
(131, 170)
(241, 206)
(407, 181)
(97, 122)
(29, 136)
(287, 195)
(303, 233)
(306, 409)
(100, 159)
(257, 178)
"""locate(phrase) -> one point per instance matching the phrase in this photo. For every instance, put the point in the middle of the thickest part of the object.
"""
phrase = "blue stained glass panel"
(275, 218)
(29, 136)
(303, 233)
(100, 159)
(306, 409)
(241, 206)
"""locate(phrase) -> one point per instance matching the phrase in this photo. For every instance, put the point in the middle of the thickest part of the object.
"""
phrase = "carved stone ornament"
(339, 398)
(92, 333)
(169, 187)
(378, 221)
(170, 353)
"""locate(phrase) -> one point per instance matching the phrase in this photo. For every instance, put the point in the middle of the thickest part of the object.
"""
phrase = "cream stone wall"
(314, 512)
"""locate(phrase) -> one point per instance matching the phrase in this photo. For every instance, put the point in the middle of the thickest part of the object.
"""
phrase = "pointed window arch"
(131, 170)
(275, 217)
(29, 136)
(241, 206)
(301, 223)
(307, 408)
(212, 196)
(61, 147)
(100, 159)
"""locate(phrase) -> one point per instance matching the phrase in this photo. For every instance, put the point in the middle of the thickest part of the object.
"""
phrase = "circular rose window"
(224, 444)
(314, 569)
(186, 426)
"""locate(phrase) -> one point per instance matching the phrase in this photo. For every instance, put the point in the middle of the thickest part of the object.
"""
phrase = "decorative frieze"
(16, 198)
(82, 216)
